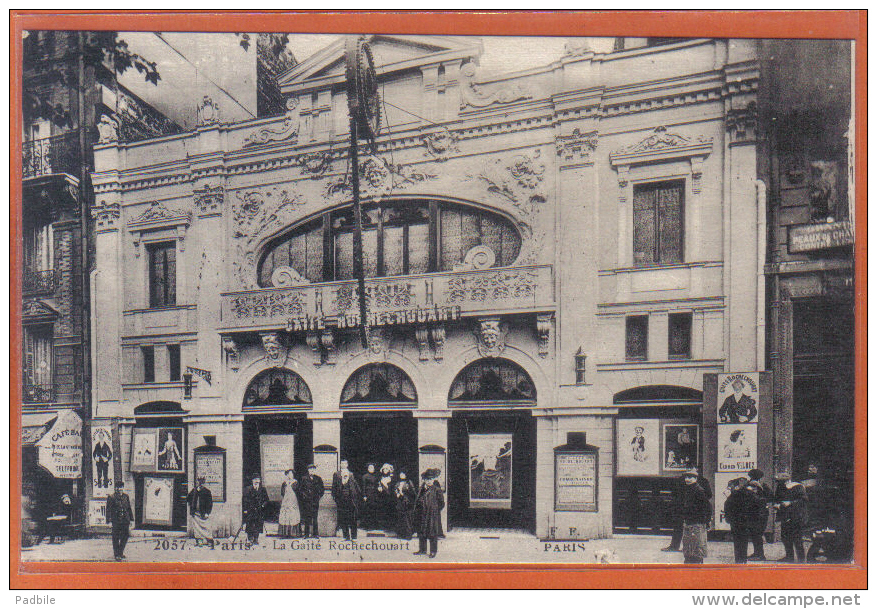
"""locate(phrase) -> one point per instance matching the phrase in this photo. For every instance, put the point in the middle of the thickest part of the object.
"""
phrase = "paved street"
(461, 546)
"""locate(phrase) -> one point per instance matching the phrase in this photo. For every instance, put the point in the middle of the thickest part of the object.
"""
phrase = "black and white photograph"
(425, 298)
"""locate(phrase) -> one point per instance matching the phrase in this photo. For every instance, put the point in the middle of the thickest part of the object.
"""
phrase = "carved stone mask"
(273, 346)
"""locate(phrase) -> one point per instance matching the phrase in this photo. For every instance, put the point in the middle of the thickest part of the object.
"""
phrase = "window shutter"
(669, 204)
(643, 226)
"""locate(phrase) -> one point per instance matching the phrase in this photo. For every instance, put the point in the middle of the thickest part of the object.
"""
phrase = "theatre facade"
(555, 258)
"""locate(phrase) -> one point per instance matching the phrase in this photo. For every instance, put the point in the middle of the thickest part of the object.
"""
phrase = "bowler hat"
(432, 472)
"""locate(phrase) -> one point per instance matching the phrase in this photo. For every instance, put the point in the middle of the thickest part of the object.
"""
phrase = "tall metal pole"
(358, 269)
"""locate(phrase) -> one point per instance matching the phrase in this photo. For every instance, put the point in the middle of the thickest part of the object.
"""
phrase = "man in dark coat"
(347, 496)
(119, 515)
(742, 514)
(764, 496)
(310, 490)
(369, 497)
(428, 512)
(676, 510)
(255, 503)
(792, 513)
(696, 513)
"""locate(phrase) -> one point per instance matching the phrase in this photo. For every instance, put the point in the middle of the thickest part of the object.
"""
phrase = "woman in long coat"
(405, 498)
(428, 512)
(290, 516)
(369, 497)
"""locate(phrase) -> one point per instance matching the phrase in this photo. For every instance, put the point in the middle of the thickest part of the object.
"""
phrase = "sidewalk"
(461, 546)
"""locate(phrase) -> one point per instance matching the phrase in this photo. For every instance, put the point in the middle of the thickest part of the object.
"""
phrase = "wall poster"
(143, 450)
(211, 465)
(738, 398)
(59, 451)
(158, 500)
(737, 447)
(490, 470)
(102, 469)
(575, 482)
(637, 447)
(97, 513)
(277, 452)
(722, 492)
(680, 446)
(171, 450)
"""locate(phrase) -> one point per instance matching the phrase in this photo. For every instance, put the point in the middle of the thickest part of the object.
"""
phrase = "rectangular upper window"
(148, 354)
(679, 336)
(658, 223)
(162, 274)
(636, 337)
(173, 357)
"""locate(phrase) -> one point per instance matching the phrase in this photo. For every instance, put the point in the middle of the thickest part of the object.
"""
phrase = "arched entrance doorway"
(492, 447)
(377, 424)
(277, 435)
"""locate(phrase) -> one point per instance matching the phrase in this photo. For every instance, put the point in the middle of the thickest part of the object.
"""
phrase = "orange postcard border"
(723, 24)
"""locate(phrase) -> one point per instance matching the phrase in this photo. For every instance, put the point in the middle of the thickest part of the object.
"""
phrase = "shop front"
(658, 435)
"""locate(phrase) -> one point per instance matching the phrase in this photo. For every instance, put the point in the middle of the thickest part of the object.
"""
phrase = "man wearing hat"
(696, 512)
(119, 515)
(428, 512)
(791, 499)
(310, 491)
(200, 502)
(763, 496)
(347, 496)
(255, 502)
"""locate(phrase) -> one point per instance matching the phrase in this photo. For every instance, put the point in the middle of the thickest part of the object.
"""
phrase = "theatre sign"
(393, 300)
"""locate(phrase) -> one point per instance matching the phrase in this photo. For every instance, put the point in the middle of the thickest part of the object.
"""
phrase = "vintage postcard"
(420, 297)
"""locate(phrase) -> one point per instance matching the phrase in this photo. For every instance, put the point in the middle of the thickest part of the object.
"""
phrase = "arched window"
(377, 384)
(398, 238)
(492, 381)
(277, 387)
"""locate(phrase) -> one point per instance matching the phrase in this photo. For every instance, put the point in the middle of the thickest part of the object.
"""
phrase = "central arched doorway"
(377, 425)
(492, 447)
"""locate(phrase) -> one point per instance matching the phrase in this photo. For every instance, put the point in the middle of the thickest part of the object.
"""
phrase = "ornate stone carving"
(286, 276)
(491, 335)
(438, 341)
(108, 130)
(577, 146)
(543, 331)
(327, 339)
(378, 178)
(288, 131)
(158, 213)
(421, 333)
(257, 213)
(37, 308)
(519, 179)
(275, 347)
(231, 351)
(313, 340)
(384, 295)
(378, 340)
(479, 257)
(208, 112)
(440, 144)
(316, 163)
(209, 199)
(742, 123)
(106, 215)
(497, 285)
(659, 140)
(475, 95)
(258, 305)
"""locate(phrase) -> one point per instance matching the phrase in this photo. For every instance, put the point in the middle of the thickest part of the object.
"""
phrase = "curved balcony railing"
(38, 282)
(56, 154)
(33, 393)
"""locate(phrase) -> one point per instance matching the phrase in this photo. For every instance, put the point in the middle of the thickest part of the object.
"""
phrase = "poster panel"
(722, 492)
(738, 398)
(59, 451)
(102, 462)
(737, 447)
(277, 453)
(211, 466)
(637, 447)
(97, 513)
(171, 450)
(158, 500)
(681, 445)
(143, 450)
(490, 470)
(575, 482)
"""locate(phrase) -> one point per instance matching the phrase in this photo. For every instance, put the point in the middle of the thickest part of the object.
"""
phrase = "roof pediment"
(391, 54)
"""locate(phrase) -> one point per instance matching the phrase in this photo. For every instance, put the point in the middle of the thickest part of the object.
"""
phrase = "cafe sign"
(59, 451)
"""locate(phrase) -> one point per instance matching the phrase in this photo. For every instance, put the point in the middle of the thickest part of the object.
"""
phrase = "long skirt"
(200, 528)
(405, 524)
(694, 540)
(290, 516)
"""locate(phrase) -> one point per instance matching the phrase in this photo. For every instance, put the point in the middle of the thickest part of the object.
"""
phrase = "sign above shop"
(60, 449)
(811, 237)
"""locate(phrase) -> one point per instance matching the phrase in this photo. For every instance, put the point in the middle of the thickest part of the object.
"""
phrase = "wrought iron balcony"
(411, 299)
(38, 282)
(33, 393)
(57, 154)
